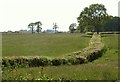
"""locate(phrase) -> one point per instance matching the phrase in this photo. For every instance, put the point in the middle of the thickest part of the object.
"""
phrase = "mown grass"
(104, 68)
(52, 45)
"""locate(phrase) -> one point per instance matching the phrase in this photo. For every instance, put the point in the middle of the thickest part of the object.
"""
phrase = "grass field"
(52, 45)
(104, 68)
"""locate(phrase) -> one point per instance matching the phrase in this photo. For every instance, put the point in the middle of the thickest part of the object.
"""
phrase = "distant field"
(104, 68)
(52, 45)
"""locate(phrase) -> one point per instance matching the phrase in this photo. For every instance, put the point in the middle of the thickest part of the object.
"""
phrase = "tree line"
(39, 28)
(96, 19)
(92, 19)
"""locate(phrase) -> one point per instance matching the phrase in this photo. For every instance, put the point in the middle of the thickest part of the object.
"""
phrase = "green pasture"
(52, 45)
(104, 68)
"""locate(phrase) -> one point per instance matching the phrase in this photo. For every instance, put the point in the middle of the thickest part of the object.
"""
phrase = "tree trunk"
(38, 30)
(32, 30)
(55, 30)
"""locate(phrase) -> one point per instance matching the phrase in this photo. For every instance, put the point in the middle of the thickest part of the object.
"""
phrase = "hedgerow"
(88, 54)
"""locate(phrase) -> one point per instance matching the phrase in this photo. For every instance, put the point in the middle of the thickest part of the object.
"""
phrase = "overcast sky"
(17, 14)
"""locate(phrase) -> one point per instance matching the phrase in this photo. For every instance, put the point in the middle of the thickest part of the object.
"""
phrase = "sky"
(17, 14)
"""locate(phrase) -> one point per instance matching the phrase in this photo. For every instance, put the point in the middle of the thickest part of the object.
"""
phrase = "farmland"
(104, 68)
(51, 45)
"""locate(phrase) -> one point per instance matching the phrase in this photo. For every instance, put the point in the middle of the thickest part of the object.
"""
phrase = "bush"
(64, 61)
(36, 62)
(56, 62)
(5, 62)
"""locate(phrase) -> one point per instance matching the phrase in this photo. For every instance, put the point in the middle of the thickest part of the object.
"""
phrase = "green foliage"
(56, 62)
(90, 19)
(112, 24)
(34, 62)
(64, 61)
(74, 61)
(72, 27)
(38, 24)
(95, 18)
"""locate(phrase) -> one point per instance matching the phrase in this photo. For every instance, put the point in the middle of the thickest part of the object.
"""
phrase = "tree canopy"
(91, 18)
(112, 24)
(72, 27)
(38, 26)
(31, 26)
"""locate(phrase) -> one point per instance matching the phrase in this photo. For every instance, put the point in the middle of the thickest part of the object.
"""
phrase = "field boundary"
(88, 54)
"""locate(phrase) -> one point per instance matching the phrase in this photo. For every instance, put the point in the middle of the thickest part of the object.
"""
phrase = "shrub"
(36, 62)
(64, 61)
(5, 62)
(56, 62)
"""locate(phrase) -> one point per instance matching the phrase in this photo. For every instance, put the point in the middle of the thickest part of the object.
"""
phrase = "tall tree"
(92, 16)
(39, 24)
(72, 27)
(31, 26)
(55, 26)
